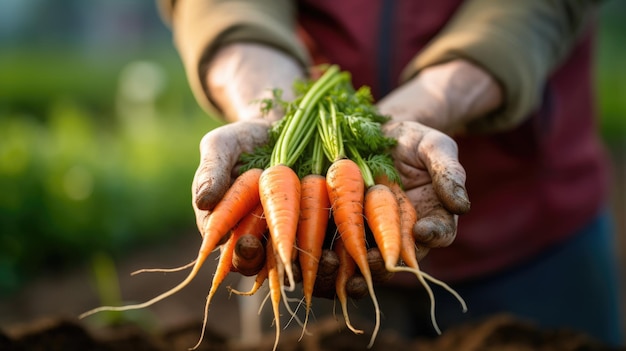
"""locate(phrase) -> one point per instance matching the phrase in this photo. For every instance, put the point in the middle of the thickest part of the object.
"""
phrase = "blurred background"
(99, 135)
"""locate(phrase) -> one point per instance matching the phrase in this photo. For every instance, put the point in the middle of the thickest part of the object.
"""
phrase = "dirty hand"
(219, 155)
(433, 179)
(441, 99)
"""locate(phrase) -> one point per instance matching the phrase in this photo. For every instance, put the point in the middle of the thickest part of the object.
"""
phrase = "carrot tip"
(292, 283)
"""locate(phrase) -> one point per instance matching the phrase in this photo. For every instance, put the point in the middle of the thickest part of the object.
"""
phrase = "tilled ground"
(501, 333)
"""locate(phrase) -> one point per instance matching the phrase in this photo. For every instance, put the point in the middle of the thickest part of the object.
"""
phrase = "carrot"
(346, 189)
(261, 277)
(221, 271)
(279, 188)
(383, 217)
(347, 268)
(250, 223)
(279, 184)
(408, 218)
(238, 201)
(314, 214)
(275, 285)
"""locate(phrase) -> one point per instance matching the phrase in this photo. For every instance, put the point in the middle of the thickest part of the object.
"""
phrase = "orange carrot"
(383, 217)
(275, 284)
(279, 188)
(314, 214)
(347, 268)
(261, 277)
(346, 189)
(408, 218)
(251, 223)
(239, 200)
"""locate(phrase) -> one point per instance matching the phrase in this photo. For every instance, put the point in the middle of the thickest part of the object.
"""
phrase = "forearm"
(202, 28)
(446, 97)
(243, 73)
(519, 43)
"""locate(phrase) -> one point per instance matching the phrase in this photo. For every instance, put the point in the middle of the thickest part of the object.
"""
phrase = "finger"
(297, 273)
(424, 155)
(326, 275)
(421, 251)
(249, 255)
(219, 152)
(436, 226)
(201, 217)
(379, 272)
(356, 287)
(440, 155)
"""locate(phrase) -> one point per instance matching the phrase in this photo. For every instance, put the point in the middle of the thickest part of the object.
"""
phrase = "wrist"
(241, 74)
(469, 91)
(445, 96)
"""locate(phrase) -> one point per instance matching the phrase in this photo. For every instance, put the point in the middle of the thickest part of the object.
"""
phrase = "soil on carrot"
(499, 332)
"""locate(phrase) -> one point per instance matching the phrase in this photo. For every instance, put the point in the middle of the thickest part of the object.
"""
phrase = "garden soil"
(499, 333)
(44, 317)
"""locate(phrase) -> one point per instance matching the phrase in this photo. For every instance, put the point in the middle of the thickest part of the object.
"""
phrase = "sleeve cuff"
(518, 43)
(200, 29)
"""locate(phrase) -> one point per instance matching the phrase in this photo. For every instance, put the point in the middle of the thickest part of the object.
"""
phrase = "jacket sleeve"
(519, 42)
(200, 27)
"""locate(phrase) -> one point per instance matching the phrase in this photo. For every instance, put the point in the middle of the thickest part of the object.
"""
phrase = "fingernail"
(461, 194)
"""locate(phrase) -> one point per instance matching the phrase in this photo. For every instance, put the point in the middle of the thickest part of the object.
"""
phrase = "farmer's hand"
(446, 98)
(433, 179)
(219, 155)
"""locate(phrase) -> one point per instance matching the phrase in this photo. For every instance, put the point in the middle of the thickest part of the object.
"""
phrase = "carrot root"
(163, 270)
(347, 268)
(261, 277)
(238, 201)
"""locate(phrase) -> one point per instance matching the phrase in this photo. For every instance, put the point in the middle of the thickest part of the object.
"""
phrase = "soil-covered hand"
(219, 155)
(433, 179)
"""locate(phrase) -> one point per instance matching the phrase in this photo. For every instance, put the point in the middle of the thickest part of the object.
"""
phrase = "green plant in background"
(74, 182)
(107, 286)
(611, 72)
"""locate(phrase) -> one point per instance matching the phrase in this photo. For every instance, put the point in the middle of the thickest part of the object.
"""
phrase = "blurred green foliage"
(92, 159)
(611, 71)
(97, 154)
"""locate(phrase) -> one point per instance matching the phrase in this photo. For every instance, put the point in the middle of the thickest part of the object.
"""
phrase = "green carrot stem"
(368, 177)
(296, 130)
(340, 152)
(317, 164)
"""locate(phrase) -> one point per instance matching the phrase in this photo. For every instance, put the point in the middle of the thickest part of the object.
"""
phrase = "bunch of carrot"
(327, 164)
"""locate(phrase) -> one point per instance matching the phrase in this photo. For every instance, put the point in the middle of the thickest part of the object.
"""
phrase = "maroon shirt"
(531, 187)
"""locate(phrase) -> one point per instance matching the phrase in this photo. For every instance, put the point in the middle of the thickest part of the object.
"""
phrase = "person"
(488, 98)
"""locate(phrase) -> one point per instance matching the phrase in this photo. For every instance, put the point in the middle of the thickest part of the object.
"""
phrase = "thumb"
(219, 153)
